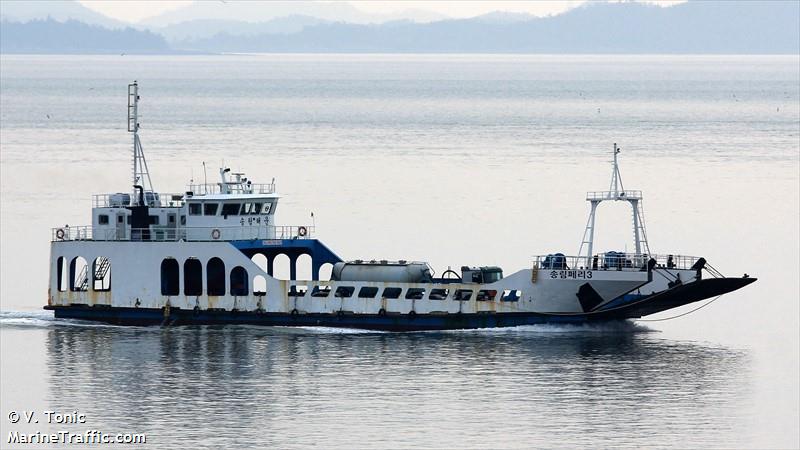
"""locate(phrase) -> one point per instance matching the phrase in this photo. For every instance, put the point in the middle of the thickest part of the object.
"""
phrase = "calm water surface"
(455, 160)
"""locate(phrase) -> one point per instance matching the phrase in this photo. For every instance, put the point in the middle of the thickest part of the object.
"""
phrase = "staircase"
(101, 267)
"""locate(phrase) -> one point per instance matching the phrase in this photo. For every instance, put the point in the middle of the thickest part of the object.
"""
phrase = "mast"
(141, 175)
(616, 178)
(616, 192)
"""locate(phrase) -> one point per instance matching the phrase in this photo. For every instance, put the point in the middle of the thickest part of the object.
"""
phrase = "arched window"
(170, 277)
(281, 267)
(78, 274)
(325, 272)
(239, 284)
(303, 267)
(259, 285)
(192, 277)
(260, 260)
(101, 270)
(215, 276)
(61, 270)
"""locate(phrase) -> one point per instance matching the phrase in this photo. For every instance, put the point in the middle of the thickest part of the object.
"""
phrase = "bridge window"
(61, 266)
(170, 282)
(239, 281)
(256, 208)
(344, 291)
(392, 292)
(368, 292)
(194, 209)
(102, 274)
(153, 220)
(511, 295)
(210, 209)
(192, 277)
(215, 276)
(102, 219)
(230, 209)
(78, 274)
(266, 208)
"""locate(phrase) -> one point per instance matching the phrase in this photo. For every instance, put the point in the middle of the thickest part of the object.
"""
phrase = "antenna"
(616, 177)
(141, 175)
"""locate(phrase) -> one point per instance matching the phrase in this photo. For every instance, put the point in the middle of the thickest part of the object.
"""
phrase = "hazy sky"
(136, 10)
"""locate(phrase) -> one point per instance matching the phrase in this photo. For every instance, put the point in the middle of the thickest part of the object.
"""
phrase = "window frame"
(210, 205)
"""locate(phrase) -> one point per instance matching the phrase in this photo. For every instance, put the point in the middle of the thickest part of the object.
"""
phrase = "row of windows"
(508, 295)
(102, 219)
(229, 209)
(193, 278)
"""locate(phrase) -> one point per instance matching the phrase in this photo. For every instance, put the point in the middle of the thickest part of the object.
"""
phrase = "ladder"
(102, 265)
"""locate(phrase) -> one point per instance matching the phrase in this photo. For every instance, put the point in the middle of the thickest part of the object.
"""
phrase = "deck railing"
(120, 200)
(611, 195)
(232, 188)
(612, 261)
(167, 234)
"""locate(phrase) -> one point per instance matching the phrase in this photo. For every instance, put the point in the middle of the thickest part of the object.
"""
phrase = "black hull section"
(681, 295)
(671, 298)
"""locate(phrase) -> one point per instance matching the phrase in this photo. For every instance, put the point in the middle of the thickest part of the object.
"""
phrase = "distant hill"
(702, 27)
(193, 30)
(693, 27)
(51, 36)
(61, 10)
(254, 12)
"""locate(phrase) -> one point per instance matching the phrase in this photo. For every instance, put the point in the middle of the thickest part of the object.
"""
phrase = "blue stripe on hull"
(400, 322)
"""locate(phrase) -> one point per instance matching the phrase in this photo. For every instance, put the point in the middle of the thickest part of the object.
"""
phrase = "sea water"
(451, 159)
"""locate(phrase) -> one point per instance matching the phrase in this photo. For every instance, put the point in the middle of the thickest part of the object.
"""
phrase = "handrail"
(172, 234)
(231, 188)
(612, 195)
(120, 200)
(612, 261)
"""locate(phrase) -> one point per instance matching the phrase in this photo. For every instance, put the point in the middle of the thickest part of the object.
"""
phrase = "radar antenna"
(141, 175)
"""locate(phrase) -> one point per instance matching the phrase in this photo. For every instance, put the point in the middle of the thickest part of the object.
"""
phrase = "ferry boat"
(152, 258)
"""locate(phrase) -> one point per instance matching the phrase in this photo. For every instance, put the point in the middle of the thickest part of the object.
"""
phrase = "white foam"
(616, 327)
(39, 319)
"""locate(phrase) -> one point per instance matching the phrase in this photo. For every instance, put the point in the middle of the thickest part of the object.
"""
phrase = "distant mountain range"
(718, 27)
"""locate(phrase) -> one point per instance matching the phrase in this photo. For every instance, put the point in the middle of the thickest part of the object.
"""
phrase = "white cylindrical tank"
(383, 271)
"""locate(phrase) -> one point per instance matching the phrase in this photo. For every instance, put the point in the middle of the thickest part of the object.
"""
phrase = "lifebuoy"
(215, 233)
(60, 234)
(302, 231)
